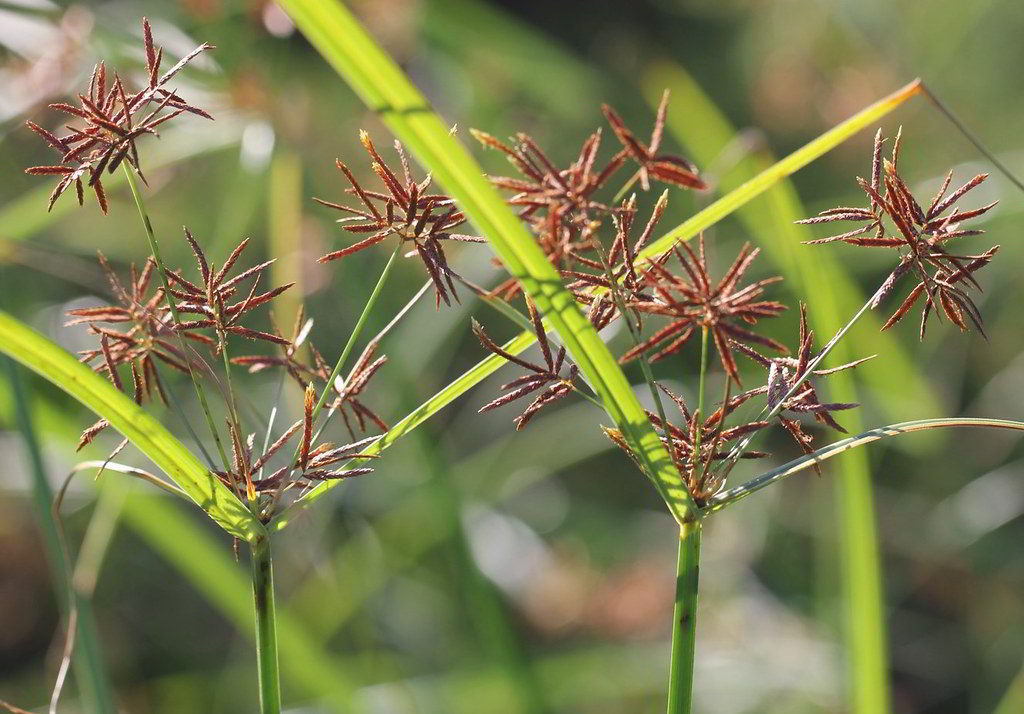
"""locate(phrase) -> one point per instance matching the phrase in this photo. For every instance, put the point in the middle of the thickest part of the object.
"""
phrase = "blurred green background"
(483, 570)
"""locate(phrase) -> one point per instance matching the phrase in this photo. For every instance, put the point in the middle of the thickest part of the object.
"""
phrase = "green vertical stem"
(266, 626)
(684, 621)
(684, 615)
(87, 659)
(162, 270)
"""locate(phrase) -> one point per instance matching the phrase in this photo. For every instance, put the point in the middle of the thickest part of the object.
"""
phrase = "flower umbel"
(114, 119)
(919, 235)
(789, 374)
(666, 168)
(694, 302)
(547, 376)
(406, 211)
(698, 442)
(210, 299)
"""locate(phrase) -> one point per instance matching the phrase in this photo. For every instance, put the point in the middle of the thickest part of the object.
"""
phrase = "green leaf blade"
(49, 360)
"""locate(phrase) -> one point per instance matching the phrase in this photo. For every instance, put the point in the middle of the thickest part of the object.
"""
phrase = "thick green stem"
(680, 683)
(266, 626)
(161, 269)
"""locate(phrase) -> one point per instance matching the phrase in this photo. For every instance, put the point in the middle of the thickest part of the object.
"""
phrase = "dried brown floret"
(786, 374)
(919, 234)
(114, 119)
(693, 301)
(558, 204)
(209, 299)
(547, 376)
(136, 329)
(311, 463)
(666, 168)
(614, 275)
(348, 392)
(406, 210)
(698, 442)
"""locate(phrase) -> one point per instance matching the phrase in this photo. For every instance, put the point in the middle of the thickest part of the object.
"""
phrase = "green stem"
(360, 323)
(161, 269)
(700, 389)
(680, 683)
(621, 193)
(266, 626)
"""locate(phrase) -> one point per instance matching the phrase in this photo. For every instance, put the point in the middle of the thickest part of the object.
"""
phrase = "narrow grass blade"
(727, 498)
(384, 88)
(52, 362)
(90, 670)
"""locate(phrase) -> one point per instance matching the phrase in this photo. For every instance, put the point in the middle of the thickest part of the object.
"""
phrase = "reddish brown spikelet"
(695, 463)
(546, 377)
(209, 299)
(422, 221)
(665, 168)
(894, 218)
(693, 301)
(789, 374)
(114, 119)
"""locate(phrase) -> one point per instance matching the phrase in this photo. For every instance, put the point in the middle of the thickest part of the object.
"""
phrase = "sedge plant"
(581, 255)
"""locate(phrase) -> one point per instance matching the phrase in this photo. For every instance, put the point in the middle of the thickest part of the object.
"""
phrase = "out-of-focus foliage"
(481, 570)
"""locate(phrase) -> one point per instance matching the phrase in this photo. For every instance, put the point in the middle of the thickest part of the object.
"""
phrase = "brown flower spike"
(310, 465)
(406, 211)
(694, 302)
(547, 376)
(348, 393)
(136, 330)
(920, 235)
(114, 119)
(210, 299)
(783, 376)
(698, 442)
(666, 168)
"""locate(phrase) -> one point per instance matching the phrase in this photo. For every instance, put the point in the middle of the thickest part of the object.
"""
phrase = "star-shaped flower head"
(310, 465)
(136, 329)
(693, 301)
(558, 204)
(406, 210)
(114, 119)
(613, 278)
(210, 299)
(920, 236)
(697, 443)
(348, 392)
(666, 168)
(786, 374)
(547, 377)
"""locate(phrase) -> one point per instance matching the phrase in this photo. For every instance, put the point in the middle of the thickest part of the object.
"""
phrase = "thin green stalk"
(266, 626)
(360, 323)
(162, 270)
(700, 387)
(87, 659)
(684, 622)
